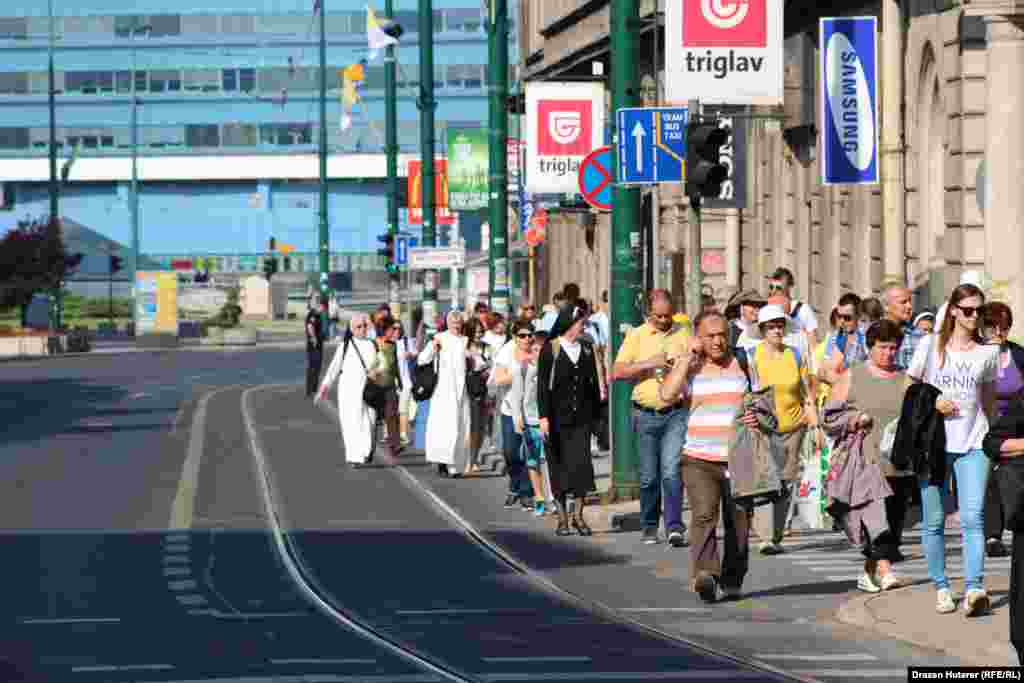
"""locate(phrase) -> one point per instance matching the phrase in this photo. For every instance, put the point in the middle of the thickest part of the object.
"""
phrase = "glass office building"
(227, 119)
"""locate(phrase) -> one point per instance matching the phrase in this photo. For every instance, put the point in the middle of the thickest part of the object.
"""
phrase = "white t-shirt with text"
(960, 379)
(506, 358)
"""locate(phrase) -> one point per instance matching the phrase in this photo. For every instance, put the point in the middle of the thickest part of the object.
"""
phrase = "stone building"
(951, 97)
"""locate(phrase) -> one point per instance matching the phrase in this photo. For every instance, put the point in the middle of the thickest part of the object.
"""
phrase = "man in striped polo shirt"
(714, 381)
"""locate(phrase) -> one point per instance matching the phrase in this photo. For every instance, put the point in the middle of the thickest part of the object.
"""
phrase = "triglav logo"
(725, 23)
(564, 126)
(725, 14)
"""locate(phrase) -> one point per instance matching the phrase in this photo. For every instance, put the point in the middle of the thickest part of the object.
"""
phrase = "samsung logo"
(849, 97)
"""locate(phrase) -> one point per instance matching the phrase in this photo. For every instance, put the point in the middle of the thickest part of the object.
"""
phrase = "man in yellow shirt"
(660, 427)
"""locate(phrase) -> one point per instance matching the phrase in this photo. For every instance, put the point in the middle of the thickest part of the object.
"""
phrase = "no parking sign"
(595, 178)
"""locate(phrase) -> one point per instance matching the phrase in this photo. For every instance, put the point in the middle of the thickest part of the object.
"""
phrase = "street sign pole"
(694, 303)
(626, 291)
(498, 178)
(427, 132)
(391, 148)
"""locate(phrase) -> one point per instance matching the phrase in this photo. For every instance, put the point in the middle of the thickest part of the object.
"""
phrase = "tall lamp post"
(134, 264)
(55, 306)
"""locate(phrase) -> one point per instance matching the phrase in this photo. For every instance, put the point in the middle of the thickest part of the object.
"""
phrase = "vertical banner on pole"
(849, 101)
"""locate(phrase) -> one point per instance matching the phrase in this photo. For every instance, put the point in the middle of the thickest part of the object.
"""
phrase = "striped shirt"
(715, 401)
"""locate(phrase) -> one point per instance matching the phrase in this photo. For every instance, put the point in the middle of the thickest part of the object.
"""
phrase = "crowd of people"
(914, 410)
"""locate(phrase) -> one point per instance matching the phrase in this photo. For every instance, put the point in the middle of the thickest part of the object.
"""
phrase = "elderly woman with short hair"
(354, 362)
(448, 425)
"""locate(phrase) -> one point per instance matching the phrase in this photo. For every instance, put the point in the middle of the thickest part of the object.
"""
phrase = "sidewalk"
(909, 615)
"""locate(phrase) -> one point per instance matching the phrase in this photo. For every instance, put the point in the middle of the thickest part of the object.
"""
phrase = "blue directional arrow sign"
(401, 250)
(652, 145)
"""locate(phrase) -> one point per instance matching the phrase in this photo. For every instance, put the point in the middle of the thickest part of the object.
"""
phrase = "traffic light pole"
(626, 291)
(324, 224)
(427, 105)
(497, 37)
(54, 188)
(694, 302)
(391, 149)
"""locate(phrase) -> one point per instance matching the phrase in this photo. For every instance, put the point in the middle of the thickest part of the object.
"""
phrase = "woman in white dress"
(448, 426)
(354, 359)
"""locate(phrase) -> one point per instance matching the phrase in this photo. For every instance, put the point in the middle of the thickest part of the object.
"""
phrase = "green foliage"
(33, 259)
(229, 314)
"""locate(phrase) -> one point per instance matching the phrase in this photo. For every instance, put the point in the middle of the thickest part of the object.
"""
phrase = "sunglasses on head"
(524, 335)
(969, 311)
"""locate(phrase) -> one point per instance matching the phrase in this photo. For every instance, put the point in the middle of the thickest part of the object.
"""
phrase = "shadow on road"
(39, 408)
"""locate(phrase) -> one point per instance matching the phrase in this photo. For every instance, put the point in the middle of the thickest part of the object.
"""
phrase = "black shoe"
(650, 536)
(897, 556)
(511, 500)
(707, 587)
(442, 470)
(526, 503)
(996, 548)
(677, 538)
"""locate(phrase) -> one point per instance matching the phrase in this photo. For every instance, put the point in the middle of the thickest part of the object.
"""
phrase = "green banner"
(467, 169)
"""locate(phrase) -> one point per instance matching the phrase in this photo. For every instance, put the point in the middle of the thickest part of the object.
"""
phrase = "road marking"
(584, 676)
(185, 585)
(854, 673)
(176, 548)
(516, 660)
(177, 571)
(137, 396)
(185, 499)
(855, 657)
(191, 600)
(121, 667)
(311, 660)
(176, 559)
(43, 621)
(496, 610)
(178, 417)
(176, 538)
(318, 678)
(670, 610)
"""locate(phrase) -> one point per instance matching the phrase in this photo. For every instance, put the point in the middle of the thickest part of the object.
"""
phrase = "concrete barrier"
(35, 345)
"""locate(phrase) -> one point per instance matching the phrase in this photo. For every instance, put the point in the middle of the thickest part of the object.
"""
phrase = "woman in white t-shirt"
(964, 368)
(507, 364)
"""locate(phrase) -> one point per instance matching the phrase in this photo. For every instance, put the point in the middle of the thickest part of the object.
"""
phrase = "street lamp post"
(55, 306)
(134, 205)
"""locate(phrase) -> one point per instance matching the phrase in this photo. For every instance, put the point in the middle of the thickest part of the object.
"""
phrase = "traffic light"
(270, 267)
(388, 252)
(116, 263)
(704, 171)
(273, 244)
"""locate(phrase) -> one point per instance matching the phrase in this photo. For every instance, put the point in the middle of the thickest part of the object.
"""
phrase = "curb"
(122, 352)
(857, 612)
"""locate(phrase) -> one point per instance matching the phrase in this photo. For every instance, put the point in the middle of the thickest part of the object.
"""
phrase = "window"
(338, 22)
(202, 80)
(439, 21)
(230, 80)
(123, 81)
(247, 80)
(238, 23)
(13, 138)
(438, 77)
(165, 81)
(89, 82)
(466, 20)
(408, 20)
(125, 25)
(240, 135)
(106, 141)
(90, 142)
(374, 78)
(286, 134)
(205, 135)
(473, 76)
(13, 83)
(165, 25)
(141, 81)
(199, 24)
(13, 28)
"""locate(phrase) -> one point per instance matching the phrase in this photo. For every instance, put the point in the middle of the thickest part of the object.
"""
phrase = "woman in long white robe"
(358, 420)
(448, 425)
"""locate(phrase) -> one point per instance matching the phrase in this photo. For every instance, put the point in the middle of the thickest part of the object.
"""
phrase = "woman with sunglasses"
(353, 365)
(959, 363)
(479, 406)
(510, 362)
(997, 319)
(846, 345)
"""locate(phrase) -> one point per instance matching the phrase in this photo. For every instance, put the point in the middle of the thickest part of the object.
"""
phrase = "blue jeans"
(515, 460)
(972, 471)
(659, 444)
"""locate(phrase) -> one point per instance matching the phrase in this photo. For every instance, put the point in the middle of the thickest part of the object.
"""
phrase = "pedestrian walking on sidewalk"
(388, 377)
(862, 415)
(964, 369)
(709, 375)
(998, 321)
(775, 363)
(568, 398)
(479, 399)
(314, 347)
(509, 363)
(523, 397)
(354, 360)
(449, 420)
(405, 348)
(660, 426)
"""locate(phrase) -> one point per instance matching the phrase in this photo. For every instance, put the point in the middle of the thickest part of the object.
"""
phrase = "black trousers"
(1017, 595)
(993, 510)
(885, 545)
(314, 361)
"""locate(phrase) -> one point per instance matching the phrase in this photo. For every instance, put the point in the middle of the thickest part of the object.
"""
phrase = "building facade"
(952, 148)
(227, 119)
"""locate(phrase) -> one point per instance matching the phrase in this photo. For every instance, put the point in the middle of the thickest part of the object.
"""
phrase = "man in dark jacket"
(314, 347)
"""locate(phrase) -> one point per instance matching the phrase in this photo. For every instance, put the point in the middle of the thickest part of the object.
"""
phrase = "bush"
(78, 341)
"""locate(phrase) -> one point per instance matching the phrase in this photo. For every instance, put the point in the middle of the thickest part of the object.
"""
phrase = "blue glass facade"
(231, 86)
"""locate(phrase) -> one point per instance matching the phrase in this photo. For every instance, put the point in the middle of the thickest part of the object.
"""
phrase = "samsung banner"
(849, 101)
(564, 123)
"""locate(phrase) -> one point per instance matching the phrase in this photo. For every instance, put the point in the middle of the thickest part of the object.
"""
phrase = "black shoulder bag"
(374, 395)
(424, 380)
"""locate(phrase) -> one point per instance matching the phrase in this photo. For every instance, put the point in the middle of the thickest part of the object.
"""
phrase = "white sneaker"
(944, 601)
(977, 602)
(866, 583)
(891, 581)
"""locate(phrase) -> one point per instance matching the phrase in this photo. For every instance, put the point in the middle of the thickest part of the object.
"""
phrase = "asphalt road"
(137, 546)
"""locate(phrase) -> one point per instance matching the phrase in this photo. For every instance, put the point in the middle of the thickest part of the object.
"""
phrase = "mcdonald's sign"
(415, 187)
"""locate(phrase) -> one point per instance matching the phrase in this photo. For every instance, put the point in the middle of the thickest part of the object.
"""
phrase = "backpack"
(796, 310)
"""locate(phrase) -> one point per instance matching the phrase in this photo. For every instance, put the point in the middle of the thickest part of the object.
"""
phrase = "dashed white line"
(668, 610)
(853, 657)
(185, 585)
(176, 559)
(121, 667)
(177, 548)
(44, 621)
(177, 571)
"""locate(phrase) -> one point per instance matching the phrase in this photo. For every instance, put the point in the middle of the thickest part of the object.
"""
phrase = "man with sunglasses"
(660, 426)
(801, 315)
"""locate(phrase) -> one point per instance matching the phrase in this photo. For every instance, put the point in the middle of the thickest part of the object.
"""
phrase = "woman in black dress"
(568, 398)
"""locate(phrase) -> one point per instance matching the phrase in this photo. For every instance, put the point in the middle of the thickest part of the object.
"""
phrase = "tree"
(33, 258)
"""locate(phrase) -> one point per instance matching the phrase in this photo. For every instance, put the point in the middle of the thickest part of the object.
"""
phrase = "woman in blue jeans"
(964, 368)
